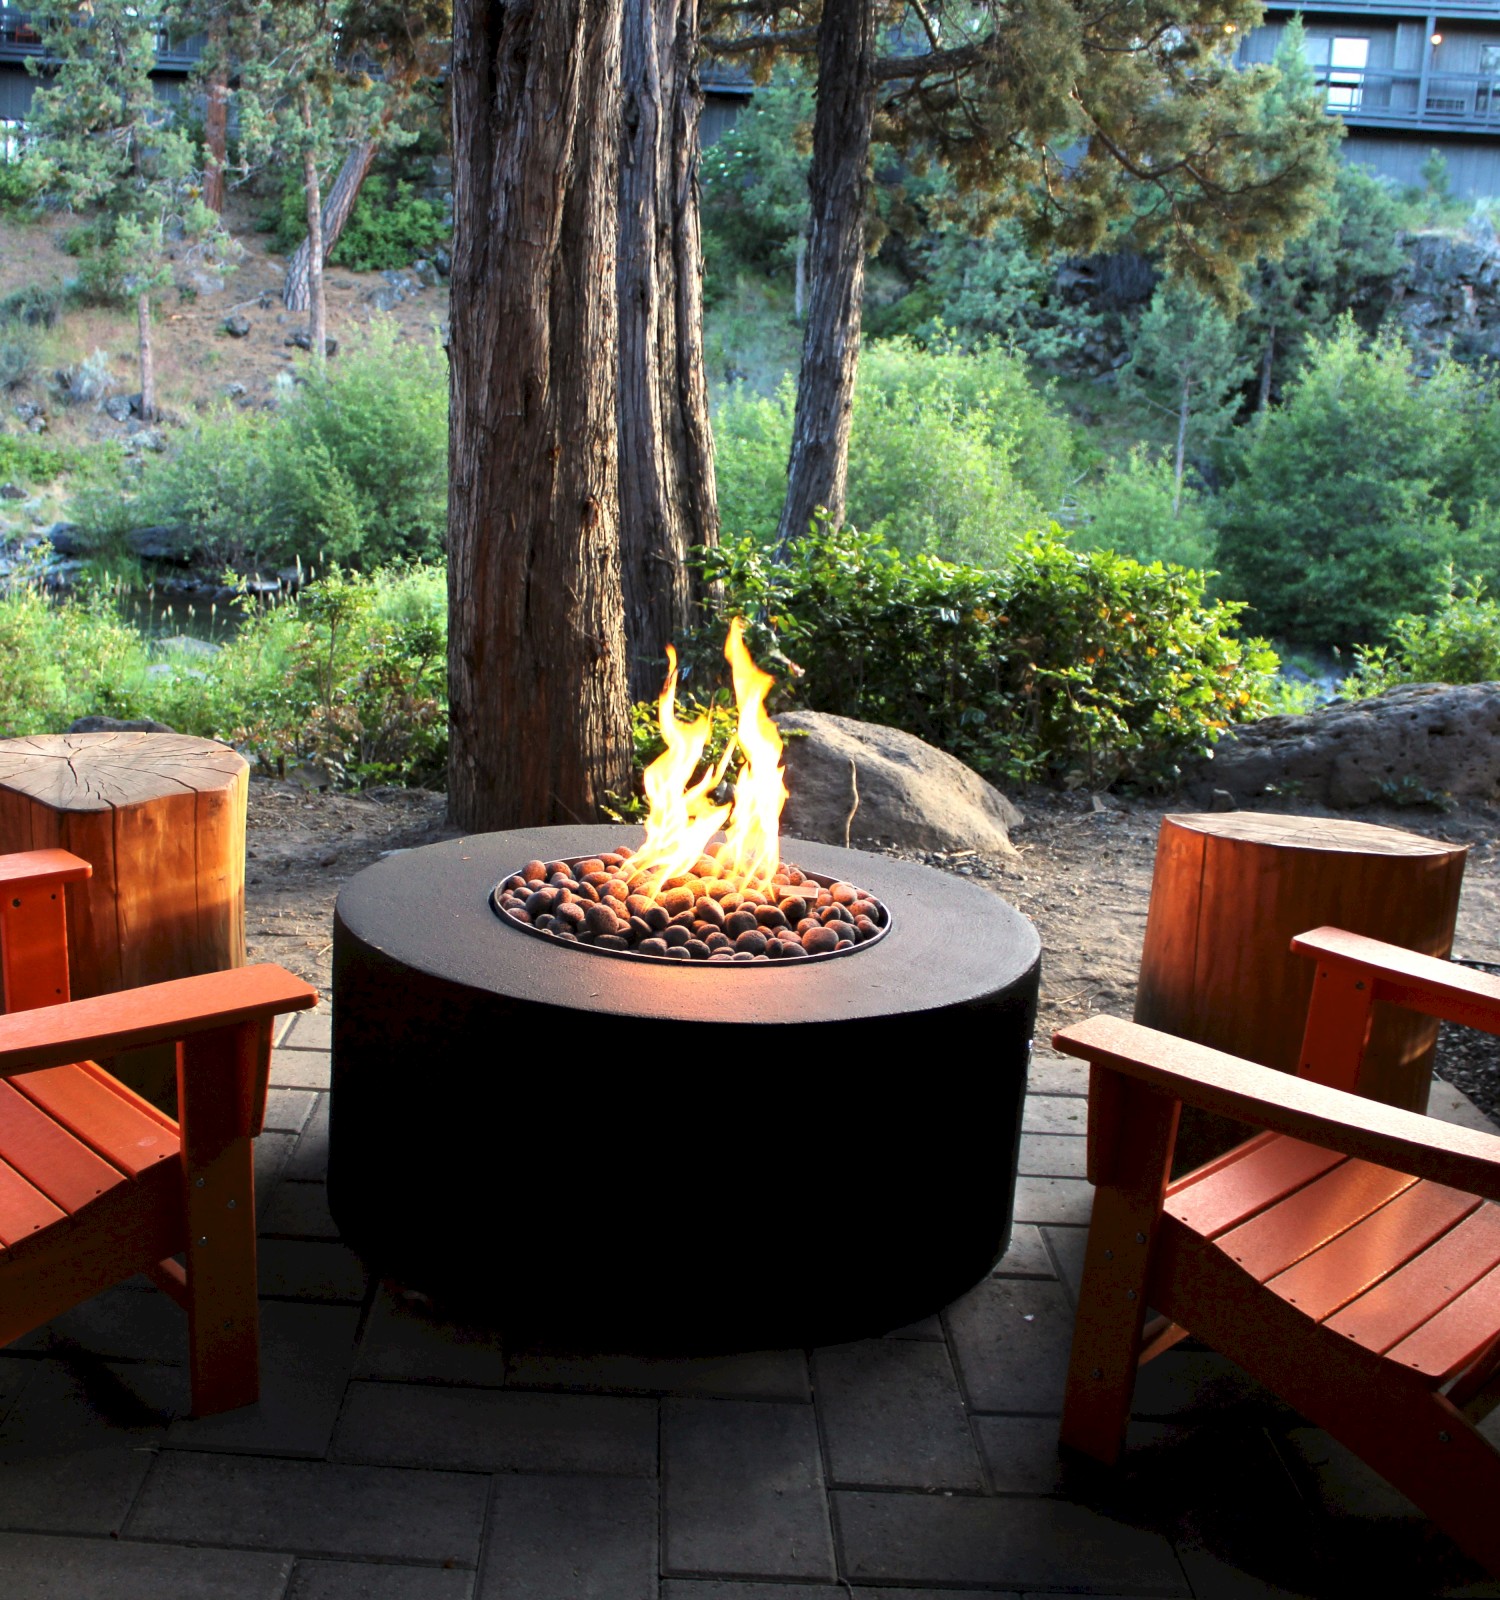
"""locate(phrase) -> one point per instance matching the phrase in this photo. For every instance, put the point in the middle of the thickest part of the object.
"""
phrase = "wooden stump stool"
(161, 819)
(1229, 891)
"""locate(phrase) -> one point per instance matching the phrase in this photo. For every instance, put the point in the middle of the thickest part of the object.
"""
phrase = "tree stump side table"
(161, 819)
(1230, 890)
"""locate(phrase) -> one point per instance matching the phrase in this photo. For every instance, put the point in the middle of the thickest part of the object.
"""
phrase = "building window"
(1346, 72)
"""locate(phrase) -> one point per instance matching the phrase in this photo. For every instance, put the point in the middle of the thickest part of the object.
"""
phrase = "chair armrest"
(52, 1036)
(1460, 1157)
(28, 868)
(1403, 977)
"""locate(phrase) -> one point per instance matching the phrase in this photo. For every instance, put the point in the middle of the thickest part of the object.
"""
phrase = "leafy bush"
(1331, 524)
(1458, 643)
(954, 453)
(1084, 668)
(18, 184)
(354, 465)
(388, 228)
(349, 676)
(20, 353)
(64, 660)
(29, 461)
(1130, 511)
(35, 304)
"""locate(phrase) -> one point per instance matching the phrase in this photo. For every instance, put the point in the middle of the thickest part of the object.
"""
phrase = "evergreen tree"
(1335, 522)
(1186, 362)
(104, 142)
(303, 100)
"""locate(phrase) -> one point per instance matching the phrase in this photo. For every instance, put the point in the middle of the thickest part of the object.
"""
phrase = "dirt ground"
(197, 363)
(1082, 874)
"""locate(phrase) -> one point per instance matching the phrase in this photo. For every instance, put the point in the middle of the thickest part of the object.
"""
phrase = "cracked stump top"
(161, 819)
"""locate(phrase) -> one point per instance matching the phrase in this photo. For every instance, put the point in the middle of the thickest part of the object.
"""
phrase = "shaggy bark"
(667, 487)
(837, 180)
(148, 358)
(539, 716)
(317, 322)
(215, 135)
(337, 209)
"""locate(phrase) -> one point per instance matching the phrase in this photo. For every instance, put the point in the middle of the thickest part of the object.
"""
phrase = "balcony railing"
(23, 35)
(1442, 9)
(1457, 100)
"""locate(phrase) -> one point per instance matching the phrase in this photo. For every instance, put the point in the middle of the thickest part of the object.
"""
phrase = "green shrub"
(64, 659)
(388, 228)
(1331, 526)
(1458, 643)
(1130, 511)
(35, 304)
(1083, 668)
(954, 453)
(27, 461)
(18, 185)
(354, 465)
(349, 676)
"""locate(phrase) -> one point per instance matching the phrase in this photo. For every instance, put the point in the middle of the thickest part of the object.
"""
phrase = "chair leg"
(223, 1319)
(216, 1072)
(1106, 1335)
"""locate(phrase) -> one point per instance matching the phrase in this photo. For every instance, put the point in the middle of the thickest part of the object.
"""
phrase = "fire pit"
(675, 1154)
(788, 1111)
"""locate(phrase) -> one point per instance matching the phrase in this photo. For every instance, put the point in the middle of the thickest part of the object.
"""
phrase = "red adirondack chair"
(1348, 1256)
(96, 1184)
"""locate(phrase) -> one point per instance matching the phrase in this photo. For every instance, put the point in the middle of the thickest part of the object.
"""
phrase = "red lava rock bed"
(601, 903)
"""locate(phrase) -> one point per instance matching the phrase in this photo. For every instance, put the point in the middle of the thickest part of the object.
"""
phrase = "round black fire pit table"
(599, 1151)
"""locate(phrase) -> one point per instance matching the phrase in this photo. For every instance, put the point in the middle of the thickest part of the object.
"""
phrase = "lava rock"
(302, 340)
(910, 794)
(237, 327)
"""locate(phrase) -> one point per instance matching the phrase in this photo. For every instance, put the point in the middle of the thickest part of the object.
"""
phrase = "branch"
(957, 59)
(796, 40)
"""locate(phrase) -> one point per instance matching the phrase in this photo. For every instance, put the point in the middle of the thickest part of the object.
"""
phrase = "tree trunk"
(215, 130)
(337, 209)
(1267, 364)
(799, 281)
(667, 487)
(148, 361)
(317, 322)
(539, 717)
(1179, 466)
(837, 181)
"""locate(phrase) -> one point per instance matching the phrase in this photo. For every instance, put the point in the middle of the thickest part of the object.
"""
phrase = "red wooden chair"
(1348, 1257)
(96, 1184)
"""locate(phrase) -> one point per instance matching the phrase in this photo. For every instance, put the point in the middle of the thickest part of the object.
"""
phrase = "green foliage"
(755, 206)
(349, 677)
(950, 452)
(353, 465)
(1459, 642)
(1086, 668)
(105, 142)
(1186, 364)
(1131, 510)
(20, 353)
(385, 231)
(64, 660)
(27, 460)
(1331, 525)
(979, 287)
(18, 185)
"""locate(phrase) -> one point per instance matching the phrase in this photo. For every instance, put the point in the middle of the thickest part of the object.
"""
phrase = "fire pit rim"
(921, 968)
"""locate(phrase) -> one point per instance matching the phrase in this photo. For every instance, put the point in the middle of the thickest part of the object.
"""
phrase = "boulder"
(161, 542)
(1418, 742)
(237, 326)
(65, 539)
(910, 794)
(117, 408)
(302, 339)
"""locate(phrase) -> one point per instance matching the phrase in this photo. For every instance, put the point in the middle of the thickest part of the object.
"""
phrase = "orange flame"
(682, 816)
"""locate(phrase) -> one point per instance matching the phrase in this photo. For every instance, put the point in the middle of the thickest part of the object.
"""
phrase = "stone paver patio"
(396, 1458)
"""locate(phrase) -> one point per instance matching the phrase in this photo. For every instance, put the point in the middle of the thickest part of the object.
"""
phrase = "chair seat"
(69, 1137)
(1406, 1268)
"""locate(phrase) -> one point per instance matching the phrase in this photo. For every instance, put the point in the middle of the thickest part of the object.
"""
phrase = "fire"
(683, 817)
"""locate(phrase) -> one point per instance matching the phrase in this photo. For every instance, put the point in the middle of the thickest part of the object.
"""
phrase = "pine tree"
(105, 143)
(303, 100)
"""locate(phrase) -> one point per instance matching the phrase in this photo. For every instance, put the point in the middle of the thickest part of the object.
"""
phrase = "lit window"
(1346, 73)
